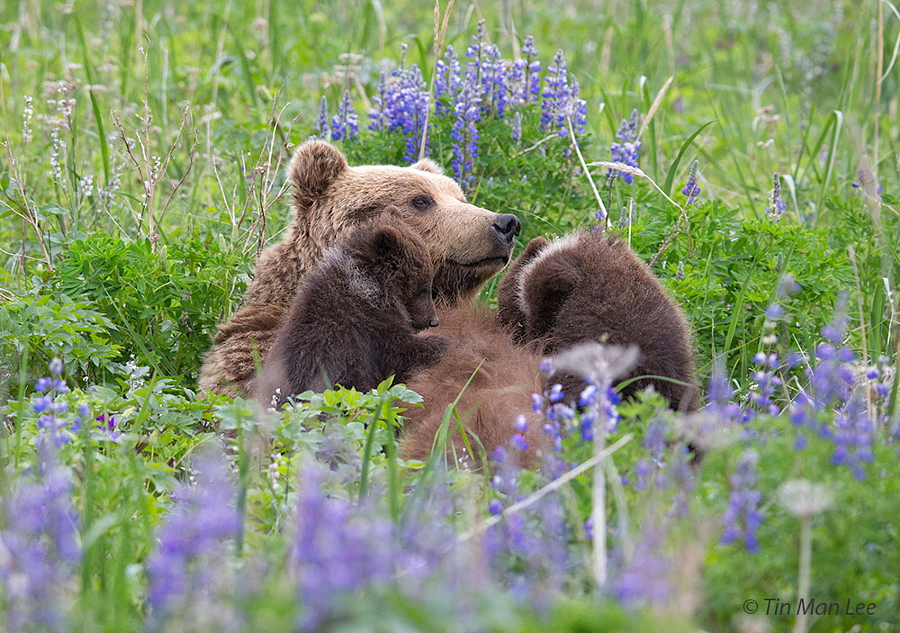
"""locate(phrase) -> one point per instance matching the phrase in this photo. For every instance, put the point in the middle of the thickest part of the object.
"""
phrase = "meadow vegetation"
(747, 150)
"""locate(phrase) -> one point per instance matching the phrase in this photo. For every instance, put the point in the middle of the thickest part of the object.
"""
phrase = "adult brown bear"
(468, 245)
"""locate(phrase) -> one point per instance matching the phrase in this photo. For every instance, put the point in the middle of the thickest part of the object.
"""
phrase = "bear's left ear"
(546, 286)
(428, 165)
(315, 166)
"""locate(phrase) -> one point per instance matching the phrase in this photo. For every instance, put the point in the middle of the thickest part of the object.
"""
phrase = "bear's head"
(397, 265)
(467, 245)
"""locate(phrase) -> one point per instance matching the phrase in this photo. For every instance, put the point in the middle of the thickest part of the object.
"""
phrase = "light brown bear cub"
(467, 246)
(588, 286)
(355, 317)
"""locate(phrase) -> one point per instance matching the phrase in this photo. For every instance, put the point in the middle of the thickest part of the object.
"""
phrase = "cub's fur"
(590, 287)
(355, 317)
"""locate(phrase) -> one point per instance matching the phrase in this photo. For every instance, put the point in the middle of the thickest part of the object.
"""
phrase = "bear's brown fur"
(355, 317)
(503, 377)
(468, 245)
(591, 287)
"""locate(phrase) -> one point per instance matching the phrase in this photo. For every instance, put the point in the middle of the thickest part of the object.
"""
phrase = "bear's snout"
(434, 322)
(506, 227)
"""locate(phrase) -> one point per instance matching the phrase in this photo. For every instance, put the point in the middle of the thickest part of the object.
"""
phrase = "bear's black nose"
(434, 322)
(507, 226)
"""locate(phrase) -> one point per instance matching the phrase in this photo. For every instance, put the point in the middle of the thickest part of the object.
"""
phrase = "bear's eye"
(422, 201)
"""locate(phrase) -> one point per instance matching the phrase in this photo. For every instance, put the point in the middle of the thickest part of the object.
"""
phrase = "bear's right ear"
(546, 286)
(315, 166)
(426, 164)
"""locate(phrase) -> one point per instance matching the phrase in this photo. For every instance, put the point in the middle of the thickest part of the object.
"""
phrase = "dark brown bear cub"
(590, 287)
(354, 320)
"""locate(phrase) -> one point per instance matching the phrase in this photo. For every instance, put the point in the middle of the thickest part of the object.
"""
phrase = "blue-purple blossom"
(464, 135)
(645, 579)
(527, 550)
(323, 130)
(692, 186)
(742, 518)
(765, 382)
(776, 204)
(853, 437)
(345, 124)
(402, 104)
(188, 556)
(525, 75)
(516, 129)
(486, 73)
(38, 548)
(561, 100)
(52, 410)
(447, 80)
(338, 549)
(721, 405)
(626, 148)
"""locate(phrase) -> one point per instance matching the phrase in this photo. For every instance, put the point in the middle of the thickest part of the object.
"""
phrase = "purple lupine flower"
(516, 129)
(494, 82)
(527, 550)
(188, 555)
(403, 106)
(337, 550)
(853, 436)
(345, 124)
(561, 101)
(646, 469)
(645, 579)
(38, 548)
(722, 406)
(489, 74)
(683, 476)
(626, 149)
(692, 186)
(765, 382)
(742, 518)
(525, 75)
(376, 116)
(323, 130)
(447, 82)
(111, 426)
(51, 409)
(464, 135)
(776, 204)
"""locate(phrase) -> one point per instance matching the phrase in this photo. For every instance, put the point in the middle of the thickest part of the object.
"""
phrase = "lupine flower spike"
(626, 148)
(692, 187)
(776, 204)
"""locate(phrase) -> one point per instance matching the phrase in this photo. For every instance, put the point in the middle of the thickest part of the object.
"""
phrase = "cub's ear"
(315, 166)
(545, 287)
(428, 165)
(535, 246)
(388, 246)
